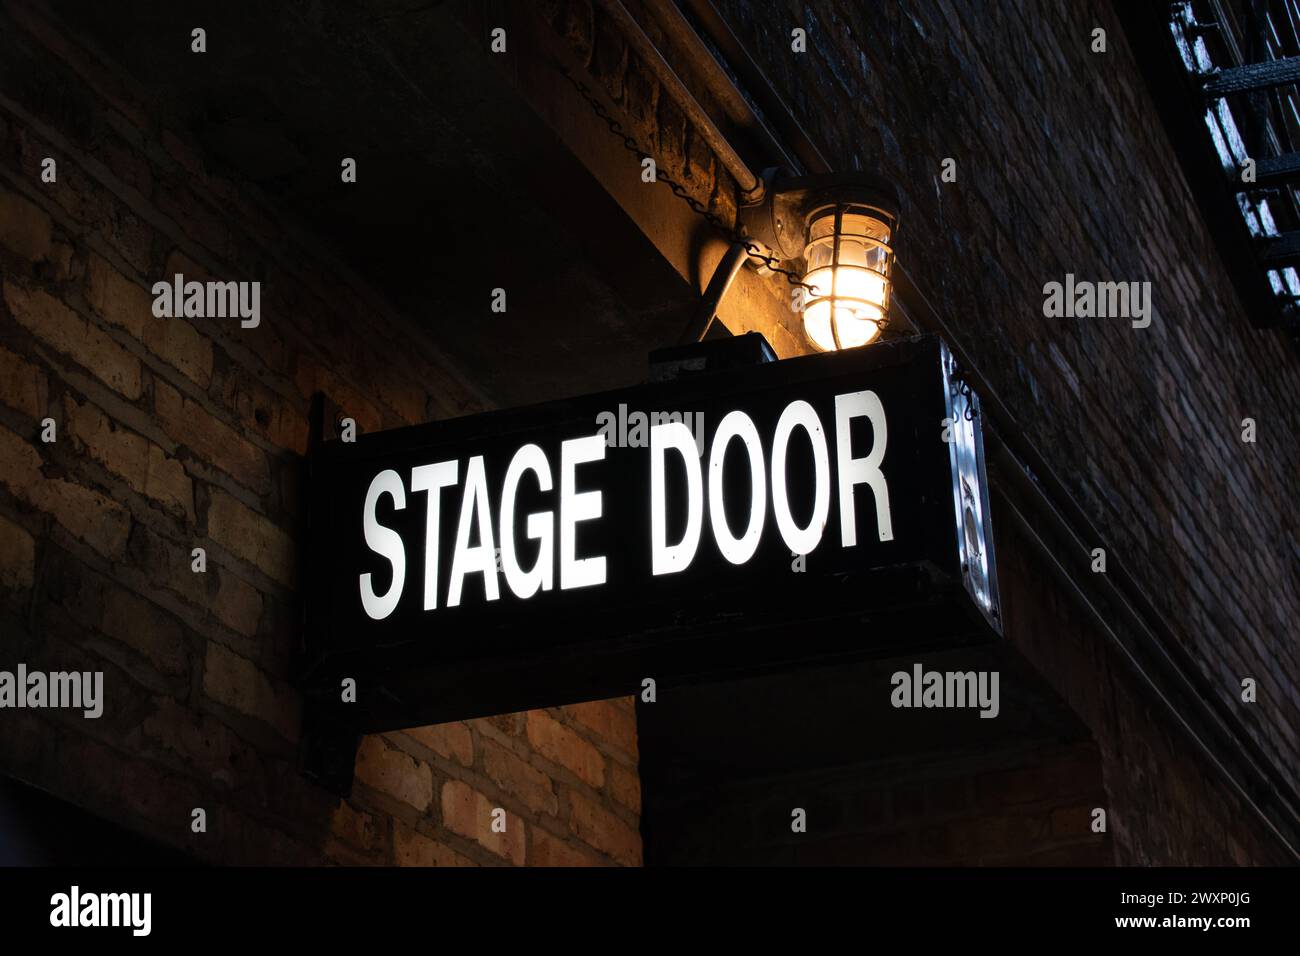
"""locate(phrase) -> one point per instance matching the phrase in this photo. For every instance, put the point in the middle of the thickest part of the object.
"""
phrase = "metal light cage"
(847, 263)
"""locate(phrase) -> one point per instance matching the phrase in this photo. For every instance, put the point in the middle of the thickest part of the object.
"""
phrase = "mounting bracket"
(329, 739)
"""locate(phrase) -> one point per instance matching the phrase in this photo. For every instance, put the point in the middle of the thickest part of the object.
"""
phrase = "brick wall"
(1027, 806)
(1063, 167)
(1164, 805)
(176, 434)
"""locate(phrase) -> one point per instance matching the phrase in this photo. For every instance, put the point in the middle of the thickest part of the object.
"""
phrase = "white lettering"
(855, 471)
(576, 507)
(433, 478)
(799, 414)
(737, 550)
(386, 542)
(540, 526)
(666, 558)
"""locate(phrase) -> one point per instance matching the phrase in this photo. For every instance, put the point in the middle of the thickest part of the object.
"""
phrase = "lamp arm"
(723, 275)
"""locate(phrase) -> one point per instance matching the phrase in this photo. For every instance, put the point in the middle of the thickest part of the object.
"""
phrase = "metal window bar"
(1253, 48)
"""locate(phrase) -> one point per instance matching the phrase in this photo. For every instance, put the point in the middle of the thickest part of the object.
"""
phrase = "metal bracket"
(329, 750)
(779, 220)
(329, 742)
(723, 275)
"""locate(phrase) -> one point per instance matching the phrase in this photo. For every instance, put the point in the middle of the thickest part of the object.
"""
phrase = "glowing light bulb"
(847, 258)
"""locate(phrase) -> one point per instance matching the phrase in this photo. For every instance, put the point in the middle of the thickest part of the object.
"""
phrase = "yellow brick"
(17, 555)
(596, 825)
(118, 449)
(144, 466)
(626, 786)
(88, 515)
(520, 779)
(447, 740)
(24, 227)
(561, 745)
(395, 773)
(181, 346)
(353, 826)
(548, 850)
(50, 320)
(615, 726)
(415, 849)
(167, 483)
(216, 443)
(238, 604)
(22, 385)
(117, 298)
(471, 814)
(237, 683)
(252, 536)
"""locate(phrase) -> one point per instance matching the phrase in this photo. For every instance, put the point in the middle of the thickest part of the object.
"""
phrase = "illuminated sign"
(758, 517)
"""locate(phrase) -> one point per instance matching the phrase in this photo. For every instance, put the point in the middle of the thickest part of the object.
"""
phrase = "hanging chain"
(679, 191)
(969, 395)
(752, 249)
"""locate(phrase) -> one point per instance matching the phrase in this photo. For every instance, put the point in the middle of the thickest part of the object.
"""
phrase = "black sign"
(722, 523)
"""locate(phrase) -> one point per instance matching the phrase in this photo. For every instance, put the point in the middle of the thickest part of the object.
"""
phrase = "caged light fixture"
(842, 227)
(847, 260)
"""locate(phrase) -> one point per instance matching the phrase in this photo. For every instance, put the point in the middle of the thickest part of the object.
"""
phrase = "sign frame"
(605, 642)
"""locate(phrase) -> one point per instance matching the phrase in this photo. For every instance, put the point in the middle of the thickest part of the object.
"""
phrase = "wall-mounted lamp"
(834, 232)
(847, 263)
(842, 226)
